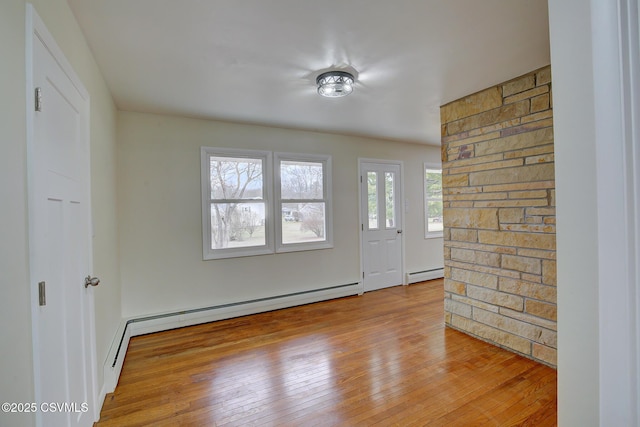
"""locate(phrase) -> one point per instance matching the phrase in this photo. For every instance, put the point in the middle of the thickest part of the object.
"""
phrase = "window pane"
(433, 201)
(235, 178)
(372, 197)
(389, 199)
(433, 184)
(434, 215)
(303, 222)
(301, 180)
(236, 225)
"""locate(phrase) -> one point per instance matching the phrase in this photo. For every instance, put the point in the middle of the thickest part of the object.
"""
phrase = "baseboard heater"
(421, 276)
(165, 321)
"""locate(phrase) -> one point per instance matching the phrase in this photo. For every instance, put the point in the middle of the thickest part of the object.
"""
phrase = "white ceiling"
(255, 61)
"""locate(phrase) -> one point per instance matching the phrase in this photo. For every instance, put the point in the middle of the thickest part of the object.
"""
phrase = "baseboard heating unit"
(165, 321)
(421, 276)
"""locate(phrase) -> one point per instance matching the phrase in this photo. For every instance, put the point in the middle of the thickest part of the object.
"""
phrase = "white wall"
(594, 57)
(160, 214)
(16, 382)
(576, 236)
(15, 316)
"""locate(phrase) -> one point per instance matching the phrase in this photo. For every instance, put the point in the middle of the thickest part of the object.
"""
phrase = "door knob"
(91, 281)
(399, 231)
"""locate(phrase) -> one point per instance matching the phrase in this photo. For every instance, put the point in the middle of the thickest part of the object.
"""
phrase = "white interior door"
(381, 224)
(60, 241)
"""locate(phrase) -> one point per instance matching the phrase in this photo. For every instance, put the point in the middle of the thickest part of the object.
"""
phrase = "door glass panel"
(372, 199)
(390, 203)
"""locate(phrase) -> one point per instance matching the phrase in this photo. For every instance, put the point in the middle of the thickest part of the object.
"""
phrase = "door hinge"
(38, 99)
(363, 274)
(42, 293)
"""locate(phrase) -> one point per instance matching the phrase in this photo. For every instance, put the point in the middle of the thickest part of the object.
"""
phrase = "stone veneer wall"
(499, 216)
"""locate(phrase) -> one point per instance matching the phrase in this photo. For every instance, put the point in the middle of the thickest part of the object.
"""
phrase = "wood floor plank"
(384, 358)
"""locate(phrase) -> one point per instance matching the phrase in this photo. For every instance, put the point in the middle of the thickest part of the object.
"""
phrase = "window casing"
(236, 203)
(303, 211)
(433, 201)
(250, 207)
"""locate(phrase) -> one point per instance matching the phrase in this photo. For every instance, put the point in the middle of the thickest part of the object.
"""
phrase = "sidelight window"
(433, 201)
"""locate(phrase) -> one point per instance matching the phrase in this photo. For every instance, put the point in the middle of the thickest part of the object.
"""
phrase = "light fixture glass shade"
(334, 84)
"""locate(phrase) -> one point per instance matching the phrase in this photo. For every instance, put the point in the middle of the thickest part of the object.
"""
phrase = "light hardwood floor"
(384, 358)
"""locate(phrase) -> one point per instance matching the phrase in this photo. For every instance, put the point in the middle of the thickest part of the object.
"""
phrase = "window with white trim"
(241, 218)
(303, 207)
(236, 203)
(432, 201)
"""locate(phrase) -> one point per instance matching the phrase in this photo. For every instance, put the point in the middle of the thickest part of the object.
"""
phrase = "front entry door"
(59, 236)
(381, 224)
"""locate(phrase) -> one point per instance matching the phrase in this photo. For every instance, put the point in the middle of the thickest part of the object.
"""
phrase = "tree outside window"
(235, 202)
(241, 219)
(302, 183)
(236, 185)
(303, 193)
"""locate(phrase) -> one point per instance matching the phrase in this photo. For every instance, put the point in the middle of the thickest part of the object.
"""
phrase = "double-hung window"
(303, 194)
(236, 194)
(240, 217)
(433, 201)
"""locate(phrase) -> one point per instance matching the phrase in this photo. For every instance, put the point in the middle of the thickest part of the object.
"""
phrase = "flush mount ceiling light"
(334, 84)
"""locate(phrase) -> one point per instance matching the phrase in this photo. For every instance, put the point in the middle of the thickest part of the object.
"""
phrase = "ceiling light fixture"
(334, 84)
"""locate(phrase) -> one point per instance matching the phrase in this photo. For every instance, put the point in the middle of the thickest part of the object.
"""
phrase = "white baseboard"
(421, 276)
(161, 322)
(113, 365)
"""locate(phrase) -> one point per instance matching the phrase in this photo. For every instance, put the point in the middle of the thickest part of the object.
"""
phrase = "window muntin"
(433, 201)
(236, 203)
(303, 184)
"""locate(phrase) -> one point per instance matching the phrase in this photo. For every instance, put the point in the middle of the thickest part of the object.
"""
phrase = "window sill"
(437, 235)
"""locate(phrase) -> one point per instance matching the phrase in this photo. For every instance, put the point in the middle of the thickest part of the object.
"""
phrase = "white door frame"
(402, 210)
(596, 77)
(35, 28)
(617, 135)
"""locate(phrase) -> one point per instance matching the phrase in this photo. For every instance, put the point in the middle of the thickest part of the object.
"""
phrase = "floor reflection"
(290, 377)
(384, 358)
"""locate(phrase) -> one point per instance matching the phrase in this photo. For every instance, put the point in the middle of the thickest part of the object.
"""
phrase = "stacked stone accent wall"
(499, 216)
